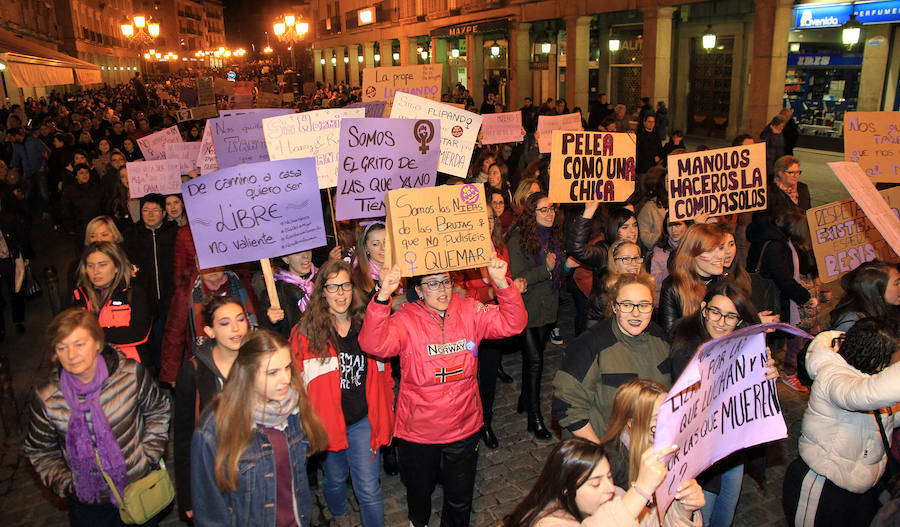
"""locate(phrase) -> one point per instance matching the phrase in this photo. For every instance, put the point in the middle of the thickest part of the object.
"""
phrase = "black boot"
(504, 377)
(521, 406)
(487, 435)
(536, 426)
(391, 462)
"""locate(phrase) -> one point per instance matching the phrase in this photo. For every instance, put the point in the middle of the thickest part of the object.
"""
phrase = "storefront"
(482, 47)
(828, 74)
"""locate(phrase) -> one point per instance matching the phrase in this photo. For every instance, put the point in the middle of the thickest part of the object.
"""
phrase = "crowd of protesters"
(359, 368)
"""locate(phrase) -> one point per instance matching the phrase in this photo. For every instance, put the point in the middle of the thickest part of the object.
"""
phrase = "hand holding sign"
(389, 283)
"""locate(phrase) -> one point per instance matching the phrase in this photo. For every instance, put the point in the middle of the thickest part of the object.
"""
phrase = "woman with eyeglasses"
(698, 264)
(439, 414)
(537, 254)
(724, 308)
(846, 426)
(624, 346)
(350, 391)
(788, 191)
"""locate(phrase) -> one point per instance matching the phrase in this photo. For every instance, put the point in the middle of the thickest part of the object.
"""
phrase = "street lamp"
(709, 38)
(291, 31)
(140, 30)
(850, 31)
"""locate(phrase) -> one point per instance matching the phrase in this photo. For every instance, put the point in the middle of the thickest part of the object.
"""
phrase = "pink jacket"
(438, 400)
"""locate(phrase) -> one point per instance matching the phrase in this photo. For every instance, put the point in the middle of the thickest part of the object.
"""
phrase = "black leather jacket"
(669, 310)
(577, 247)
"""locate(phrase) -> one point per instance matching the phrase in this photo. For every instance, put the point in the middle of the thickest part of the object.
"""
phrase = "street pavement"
(504, 475)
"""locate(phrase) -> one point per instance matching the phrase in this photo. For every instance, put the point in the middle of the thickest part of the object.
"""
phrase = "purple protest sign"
(239, 138)
(378, 155)
(721, 403)
(373, 108)
(254, 211)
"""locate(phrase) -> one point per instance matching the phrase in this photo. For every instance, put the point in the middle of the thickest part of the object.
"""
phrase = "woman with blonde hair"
(248, 455)
(527, 186)
(698, 264)
(102, 229)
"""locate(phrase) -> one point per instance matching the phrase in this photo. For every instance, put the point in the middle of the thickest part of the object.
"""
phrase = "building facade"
(186, 27)
(577, 50)
(92, 32)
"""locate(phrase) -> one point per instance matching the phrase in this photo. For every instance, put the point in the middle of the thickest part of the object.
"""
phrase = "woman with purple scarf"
(294, 286)
(536, 253)
(98, 405)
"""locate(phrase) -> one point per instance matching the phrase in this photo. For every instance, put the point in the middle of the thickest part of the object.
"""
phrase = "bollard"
(51, 282)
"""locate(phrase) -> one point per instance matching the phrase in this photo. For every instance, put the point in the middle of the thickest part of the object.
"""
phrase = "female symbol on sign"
(423, 132)
(469, 194)
(410, 258)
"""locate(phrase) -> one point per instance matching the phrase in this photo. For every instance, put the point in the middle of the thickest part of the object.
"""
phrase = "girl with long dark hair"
(870, 290)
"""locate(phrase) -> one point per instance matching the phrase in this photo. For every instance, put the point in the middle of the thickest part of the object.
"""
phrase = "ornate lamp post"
(291, 31)
(141, 30)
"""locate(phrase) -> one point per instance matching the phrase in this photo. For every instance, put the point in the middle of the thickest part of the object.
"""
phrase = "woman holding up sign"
(438, 414)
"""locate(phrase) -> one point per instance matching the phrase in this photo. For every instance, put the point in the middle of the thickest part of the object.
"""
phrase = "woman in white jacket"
(841, 451)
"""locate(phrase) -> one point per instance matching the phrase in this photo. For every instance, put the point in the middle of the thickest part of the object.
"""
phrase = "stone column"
(353, 52)
(387, 50)
(656, 60)
(408, 52)
(578, 35)
(369, 54)
(439, 55)
(876, 50)
(519, 58)
(475, 67)
(340, 67)
(768, 62)
(329, 67)
(317, 65)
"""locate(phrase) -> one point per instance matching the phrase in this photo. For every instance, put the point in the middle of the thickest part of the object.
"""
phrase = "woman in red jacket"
(438, 414)
(351, 392)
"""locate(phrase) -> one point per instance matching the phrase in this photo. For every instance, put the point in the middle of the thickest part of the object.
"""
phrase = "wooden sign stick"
(337, 240)
(270, 282)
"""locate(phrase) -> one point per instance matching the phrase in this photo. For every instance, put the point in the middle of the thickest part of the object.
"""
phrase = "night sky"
(246, 22)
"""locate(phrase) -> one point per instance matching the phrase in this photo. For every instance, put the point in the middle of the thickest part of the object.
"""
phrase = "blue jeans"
(365, 471)
(719, 508)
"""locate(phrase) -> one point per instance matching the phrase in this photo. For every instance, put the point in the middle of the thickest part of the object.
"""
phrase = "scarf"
(84, 398)
(374, 271)
(790, 191)
(306, 284)
(274, 414)
(548, 245)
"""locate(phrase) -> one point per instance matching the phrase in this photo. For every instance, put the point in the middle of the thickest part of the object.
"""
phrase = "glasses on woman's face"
(628, 260)
(793, 172)
(547, 210)
(642, 307)
(715, 315)
(437, 285)
(333, 288)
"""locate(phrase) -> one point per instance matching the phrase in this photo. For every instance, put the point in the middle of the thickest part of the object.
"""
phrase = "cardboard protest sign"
(223, 87)
(378, 155)
(259, 210)
(872, 139)
(309, 134)
(459, 129)
(205, 91)
(162, 176)
(373, 108)
(268, 100)
(864, 193)
(547, 123)
(721, 403)
(843, 238)
(717, 182)
(237, 101)
(239, 137)
(195, 114)
(186, 154)
(206, 159)
(501, 128)
(382, 84)
(188, 95)
(438, 229)
(589, 166)
(153, 146)
(244, 87)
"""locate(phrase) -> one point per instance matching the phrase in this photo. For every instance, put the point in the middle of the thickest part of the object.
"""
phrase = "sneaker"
(792, 382)
(555, 338)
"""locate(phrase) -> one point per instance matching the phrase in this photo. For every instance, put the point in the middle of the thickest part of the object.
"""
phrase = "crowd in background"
(358, 368)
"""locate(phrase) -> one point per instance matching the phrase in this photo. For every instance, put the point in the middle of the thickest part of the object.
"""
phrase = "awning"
(85, 76)
(32, 64)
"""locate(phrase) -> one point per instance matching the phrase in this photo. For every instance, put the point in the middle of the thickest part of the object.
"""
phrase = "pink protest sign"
(153, 146)
(547, 123)
(721, 403)
(502, 128)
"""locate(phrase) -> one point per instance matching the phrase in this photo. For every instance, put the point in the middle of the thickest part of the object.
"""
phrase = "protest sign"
(502, 128)
(186, 154)
(259, 210)
(244, 87)
(459, 129)
(864, 193)
(382, 84)
(309, 134)
(205, 91)
(153, 146)
(569, 122)
(721, 403)
(378, 155)
(188, 95)
(872, 139)
(223, 87)
(373, 108)
(239, 137)
(206, 159)
(268, 100)
(588, 166)
(194, 114)
(162, 176)
(843, 238)
(237, 101)
(439, 229)
(717, 182)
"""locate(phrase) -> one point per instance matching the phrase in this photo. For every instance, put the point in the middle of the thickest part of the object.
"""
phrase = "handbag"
(30, 287)
(891, 479)
(144, 498)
